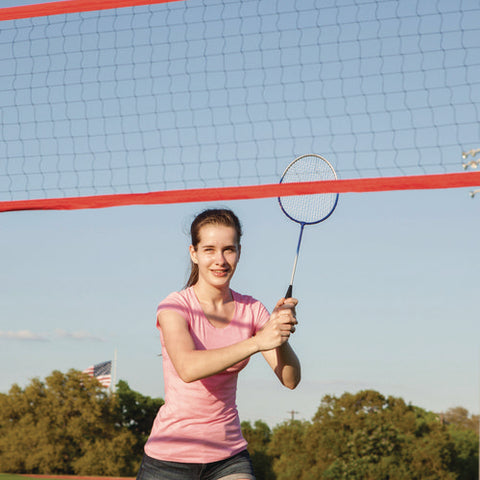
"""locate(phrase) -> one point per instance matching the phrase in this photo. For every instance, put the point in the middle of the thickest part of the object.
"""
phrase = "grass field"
(12, 476)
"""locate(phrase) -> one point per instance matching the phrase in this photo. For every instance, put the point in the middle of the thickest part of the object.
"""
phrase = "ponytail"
(193, 278)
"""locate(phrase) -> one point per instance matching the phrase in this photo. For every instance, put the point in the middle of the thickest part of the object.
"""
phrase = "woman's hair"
(213, 216)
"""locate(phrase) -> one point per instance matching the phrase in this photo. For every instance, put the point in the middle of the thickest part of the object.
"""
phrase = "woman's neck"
(212, 295)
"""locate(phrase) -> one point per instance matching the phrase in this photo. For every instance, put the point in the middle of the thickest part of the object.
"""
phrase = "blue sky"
(388, 286)
(388, 290)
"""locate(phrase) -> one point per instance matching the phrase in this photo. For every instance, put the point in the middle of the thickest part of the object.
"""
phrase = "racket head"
(314, 208)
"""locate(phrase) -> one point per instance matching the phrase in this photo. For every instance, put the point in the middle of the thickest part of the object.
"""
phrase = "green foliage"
(109, 456)
(465, 444)
(288, 447)
(137, 413)
(66, 425)
(367, 436)
(460, 418)
(258, 438)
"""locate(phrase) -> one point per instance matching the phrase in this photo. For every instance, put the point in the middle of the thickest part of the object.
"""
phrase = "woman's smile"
(220, 273)
(216, 254)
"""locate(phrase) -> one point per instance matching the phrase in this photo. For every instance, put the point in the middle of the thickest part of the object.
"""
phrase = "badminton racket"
(307, 209)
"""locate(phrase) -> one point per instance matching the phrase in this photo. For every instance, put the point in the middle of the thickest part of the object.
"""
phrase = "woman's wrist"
(255, 345)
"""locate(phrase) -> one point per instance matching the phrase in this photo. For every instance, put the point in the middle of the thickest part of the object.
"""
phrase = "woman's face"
(216, 254)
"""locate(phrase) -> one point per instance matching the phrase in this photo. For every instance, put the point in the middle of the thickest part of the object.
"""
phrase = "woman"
(208, 333)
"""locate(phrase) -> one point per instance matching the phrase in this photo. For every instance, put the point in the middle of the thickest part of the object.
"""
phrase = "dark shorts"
(234, 468)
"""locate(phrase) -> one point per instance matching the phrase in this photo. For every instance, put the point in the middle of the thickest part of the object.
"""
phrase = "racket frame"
(289, 292)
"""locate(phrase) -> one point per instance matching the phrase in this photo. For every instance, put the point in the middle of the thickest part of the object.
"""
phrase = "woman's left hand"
(280, 325)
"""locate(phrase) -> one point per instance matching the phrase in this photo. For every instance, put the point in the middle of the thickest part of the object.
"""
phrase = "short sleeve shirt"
(199, 421)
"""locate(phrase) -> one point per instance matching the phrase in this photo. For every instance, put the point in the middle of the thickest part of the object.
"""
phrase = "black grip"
(289, 292)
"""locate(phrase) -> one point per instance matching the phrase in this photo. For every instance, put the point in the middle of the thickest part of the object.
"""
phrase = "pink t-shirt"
(199, 421)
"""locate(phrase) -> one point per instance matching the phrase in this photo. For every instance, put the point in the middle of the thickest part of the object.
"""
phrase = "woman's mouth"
(220, 273)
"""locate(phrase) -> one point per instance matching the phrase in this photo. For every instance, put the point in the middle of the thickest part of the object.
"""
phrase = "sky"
(387, 289)
(387, 286)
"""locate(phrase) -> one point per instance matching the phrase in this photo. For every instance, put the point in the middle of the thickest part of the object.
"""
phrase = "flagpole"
(114, 382)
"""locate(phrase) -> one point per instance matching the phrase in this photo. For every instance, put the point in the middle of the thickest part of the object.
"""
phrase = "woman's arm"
(192, 364)
(285, 364)
(282, 359)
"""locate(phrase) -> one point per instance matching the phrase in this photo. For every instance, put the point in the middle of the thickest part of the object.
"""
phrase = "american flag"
(102, 372)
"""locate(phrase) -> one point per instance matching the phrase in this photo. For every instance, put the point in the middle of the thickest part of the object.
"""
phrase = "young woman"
(208, 333)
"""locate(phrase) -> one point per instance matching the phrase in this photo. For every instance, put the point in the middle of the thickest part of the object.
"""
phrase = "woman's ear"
(193, 254)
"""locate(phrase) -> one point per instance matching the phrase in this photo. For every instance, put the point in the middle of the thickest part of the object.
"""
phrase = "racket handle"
(289, 291)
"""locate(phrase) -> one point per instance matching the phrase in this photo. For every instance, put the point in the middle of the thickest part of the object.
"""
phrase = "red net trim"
(70, 6)
(418, 182)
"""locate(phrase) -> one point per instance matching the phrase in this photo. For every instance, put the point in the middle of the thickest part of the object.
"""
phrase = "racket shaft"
(290, 287)
(294, 269)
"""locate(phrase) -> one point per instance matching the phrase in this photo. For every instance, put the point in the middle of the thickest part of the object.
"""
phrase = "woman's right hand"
(279, 327)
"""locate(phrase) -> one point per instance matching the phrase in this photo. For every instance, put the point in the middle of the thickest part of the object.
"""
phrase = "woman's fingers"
(280, 326)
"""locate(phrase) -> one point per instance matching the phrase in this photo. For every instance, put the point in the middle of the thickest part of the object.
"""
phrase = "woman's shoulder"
(182, 298)
(246, 300)
(249, 307)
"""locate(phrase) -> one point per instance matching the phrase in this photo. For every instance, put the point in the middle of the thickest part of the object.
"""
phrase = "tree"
(288, 448)
(364, 436)
(460, 417)
(137, 413)
(258, 438)
(65, 425)
(429, 448)
(69, 424)
(463, 430)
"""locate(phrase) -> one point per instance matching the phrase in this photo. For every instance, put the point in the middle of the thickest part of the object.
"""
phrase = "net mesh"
(308, 209)
(220, 93)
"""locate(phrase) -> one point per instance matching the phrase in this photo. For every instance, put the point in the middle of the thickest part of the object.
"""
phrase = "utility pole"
(292, 414)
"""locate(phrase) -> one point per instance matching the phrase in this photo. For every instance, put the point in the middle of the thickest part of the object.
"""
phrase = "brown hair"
(212, 216)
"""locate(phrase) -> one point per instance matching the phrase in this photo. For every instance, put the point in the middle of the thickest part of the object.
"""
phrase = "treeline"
(68, 424)
(367, 436)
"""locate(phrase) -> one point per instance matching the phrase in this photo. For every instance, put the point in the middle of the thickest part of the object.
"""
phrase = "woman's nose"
(219, 257)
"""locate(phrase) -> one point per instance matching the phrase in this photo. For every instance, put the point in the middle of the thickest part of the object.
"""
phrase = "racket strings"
(309, 209)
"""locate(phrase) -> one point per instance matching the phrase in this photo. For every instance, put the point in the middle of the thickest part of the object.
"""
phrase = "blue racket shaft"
(290, 287)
